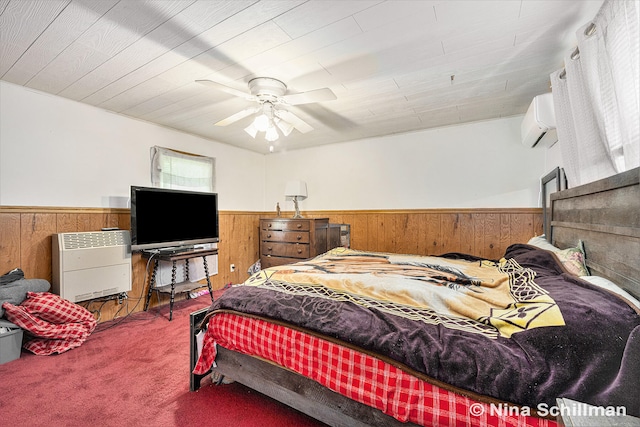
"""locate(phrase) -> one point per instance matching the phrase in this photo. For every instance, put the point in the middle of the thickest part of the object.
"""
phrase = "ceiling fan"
(271, 94)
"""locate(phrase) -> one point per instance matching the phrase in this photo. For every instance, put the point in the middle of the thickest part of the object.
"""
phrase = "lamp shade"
(285, 127)
(251, 130)
(296, 189)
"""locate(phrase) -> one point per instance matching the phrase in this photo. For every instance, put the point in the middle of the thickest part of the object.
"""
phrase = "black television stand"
(186, 285)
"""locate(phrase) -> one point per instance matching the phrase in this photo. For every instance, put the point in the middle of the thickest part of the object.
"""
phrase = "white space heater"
(92, 264)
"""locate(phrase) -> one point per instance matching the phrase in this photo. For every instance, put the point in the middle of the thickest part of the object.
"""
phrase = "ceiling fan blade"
(237, 116)
(226, 89)
(297, 122)
(318, 95)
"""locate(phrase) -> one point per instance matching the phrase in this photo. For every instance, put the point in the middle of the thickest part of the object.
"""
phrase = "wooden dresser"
(288, 240)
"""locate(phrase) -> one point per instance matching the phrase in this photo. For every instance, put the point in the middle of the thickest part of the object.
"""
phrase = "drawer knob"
(299, 225)
(298, 237)
(269, 225)
(299, 251)
(269, 248)
(269, 235)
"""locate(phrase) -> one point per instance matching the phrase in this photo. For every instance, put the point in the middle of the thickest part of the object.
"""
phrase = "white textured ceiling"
(395, 66)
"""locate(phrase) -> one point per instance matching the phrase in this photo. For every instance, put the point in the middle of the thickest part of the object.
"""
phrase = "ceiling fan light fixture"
(251, 130)
(269, 93)
(261, 122)
(285, 127)
(271, 134)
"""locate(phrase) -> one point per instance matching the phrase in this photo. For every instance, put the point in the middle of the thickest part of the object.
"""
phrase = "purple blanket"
(593, 357)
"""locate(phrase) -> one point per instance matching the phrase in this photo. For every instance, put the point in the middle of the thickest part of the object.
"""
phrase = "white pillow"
(541, 242)
(609, 285)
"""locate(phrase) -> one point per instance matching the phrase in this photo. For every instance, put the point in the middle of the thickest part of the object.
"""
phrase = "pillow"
(54, 309)
(541, 242)
(573, 261)
(610, 286)
(571, 258)
(16, 291)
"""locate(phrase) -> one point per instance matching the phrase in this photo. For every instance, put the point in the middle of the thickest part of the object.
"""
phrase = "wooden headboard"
(605, 215)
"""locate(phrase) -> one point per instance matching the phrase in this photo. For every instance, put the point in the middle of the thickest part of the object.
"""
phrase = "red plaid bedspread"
(359, 376)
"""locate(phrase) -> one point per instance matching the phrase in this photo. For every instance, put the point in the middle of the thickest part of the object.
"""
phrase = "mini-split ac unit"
(91, 265)
(539, 124)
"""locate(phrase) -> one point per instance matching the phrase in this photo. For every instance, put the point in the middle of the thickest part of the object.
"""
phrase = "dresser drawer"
(272, 261)
(302, 225)
(291, 250)
(284, 236)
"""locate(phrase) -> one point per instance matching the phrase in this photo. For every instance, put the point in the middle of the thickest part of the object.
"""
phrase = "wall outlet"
(232, 268)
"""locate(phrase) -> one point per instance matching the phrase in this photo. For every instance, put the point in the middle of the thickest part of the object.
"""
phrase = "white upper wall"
(57, 152)
(474, 165)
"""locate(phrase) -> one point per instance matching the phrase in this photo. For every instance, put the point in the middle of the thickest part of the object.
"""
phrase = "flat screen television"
(162, 218)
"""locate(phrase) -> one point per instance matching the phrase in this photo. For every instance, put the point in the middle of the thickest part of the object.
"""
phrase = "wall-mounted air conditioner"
(91, 264)
(539, 124)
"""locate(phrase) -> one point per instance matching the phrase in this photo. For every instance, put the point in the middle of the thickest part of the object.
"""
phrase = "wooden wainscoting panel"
(9, 242)
(491, 247)
(524, 226)
(480, 232)
(412, 239)
(93, 222)
(450, 227)
(239, 245)
(467, 242)
(433, 237)
(124, 221)
(66, 222)
(374, 225)
(505, 231)
(358, 229)
(35, 244)
(390, 231)
(396, 233)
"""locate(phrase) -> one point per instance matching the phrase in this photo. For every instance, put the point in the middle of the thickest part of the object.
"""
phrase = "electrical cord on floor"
(129, 312)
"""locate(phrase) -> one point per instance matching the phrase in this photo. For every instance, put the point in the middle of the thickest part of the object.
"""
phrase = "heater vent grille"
(91, 264)
(99, 239)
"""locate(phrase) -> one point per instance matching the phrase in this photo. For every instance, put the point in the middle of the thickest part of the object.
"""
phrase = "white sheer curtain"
(596, 96)
(183, 171)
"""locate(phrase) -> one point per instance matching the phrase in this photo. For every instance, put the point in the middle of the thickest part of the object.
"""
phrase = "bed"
(450, 340)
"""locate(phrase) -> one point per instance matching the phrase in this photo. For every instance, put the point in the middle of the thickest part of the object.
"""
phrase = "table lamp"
(296, 190)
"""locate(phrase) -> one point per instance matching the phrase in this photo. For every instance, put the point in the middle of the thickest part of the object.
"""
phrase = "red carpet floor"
(135, 373)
